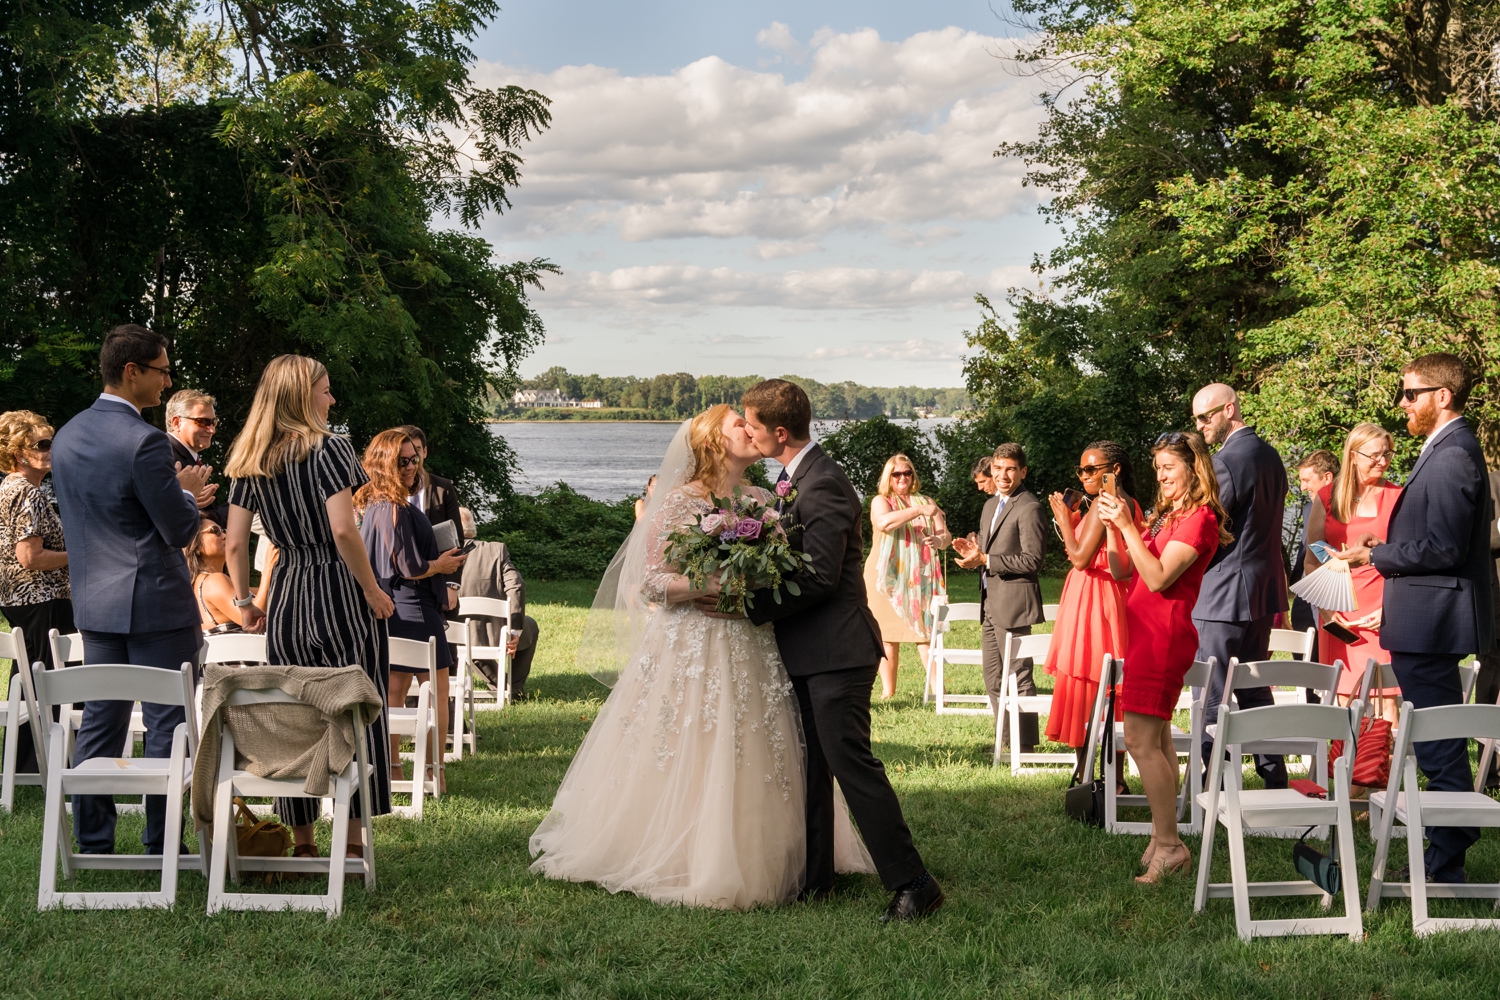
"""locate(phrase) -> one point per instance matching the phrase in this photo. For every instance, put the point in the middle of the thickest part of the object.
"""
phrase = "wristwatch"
(245, 603)
(453, 585)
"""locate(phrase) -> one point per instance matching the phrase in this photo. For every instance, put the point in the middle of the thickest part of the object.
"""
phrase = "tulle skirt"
(689, 787)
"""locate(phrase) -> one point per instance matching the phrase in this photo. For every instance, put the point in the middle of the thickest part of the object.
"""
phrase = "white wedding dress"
(689, 786)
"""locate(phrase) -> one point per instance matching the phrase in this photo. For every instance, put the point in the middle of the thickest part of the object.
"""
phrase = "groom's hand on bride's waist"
(708, 604)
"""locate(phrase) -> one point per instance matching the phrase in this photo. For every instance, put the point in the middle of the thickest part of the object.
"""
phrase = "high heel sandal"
(1164, 863)
(1148, 853)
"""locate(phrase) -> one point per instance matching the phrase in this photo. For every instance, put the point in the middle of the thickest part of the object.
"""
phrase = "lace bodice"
(678, 508)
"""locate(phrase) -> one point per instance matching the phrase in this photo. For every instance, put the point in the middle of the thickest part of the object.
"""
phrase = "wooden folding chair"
(232, 782)
(1416, 809)
(420, 724)
(14, 713)
(475, 611)
(1242, 811)
(170, 776)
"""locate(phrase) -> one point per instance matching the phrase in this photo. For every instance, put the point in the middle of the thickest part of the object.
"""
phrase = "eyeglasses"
(45, 444)
(407, 463)
(908, 474)
(1089, 470)
(1380, 456)
(165, 371)
(1204, 418)
(208, 423)
(1410, 395)
(211, 529)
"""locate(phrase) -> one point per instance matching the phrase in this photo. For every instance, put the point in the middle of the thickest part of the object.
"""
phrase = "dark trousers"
(1247, 642)
(836, 725)
(1303, 618)
(34, 621)
(106, 724)
(992, 658)
(1429, 679)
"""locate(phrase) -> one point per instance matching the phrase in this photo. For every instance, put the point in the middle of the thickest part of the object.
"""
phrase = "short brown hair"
(1012, 451)
(779, 403)
(127, 344)
(981, 467)
(1443, 371)
(1323, 461)
(185, 400)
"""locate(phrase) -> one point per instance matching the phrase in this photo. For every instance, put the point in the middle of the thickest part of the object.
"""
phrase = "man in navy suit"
(1438, 576)
(127, 513)
(1245, 585)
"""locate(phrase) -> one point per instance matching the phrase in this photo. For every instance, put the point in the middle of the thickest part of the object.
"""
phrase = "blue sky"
(774, 188)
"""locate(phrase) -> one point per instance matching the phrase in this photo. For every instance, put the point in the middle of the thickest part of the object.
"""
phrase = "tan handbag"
(259, 838)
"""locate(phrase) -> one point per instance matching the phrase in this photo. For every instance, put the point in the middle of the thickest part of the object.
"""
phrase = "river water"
(603, 459)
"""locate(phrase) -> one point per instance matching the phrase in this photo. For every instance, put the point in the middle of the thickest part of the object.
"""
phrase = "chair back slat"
(1282, 673)
(13, 647)
(1034, 646)
(1199, 673)
(1468, 674)
(1272, 722)
(1285, 640)
(263, 696)
(1447, 722)
(414, 654)
(66, 649)
(1049, 612)
(483, 607)
(963, 612)
(234, 647)
(112, 682)
(456, 632)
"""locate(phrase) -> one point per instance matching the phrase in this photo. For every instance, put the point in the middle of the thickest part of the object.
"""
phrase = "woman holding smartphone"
(1091, 612)
(1359, 500)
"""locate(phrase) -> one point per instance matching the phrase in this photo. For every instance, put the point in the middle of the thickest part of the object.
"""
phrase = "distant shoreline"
(579, 420)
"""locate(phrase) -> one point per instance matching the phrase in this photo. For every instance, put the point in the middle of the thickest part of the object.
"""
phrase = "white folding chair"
(1468, 676)
(1300, 675)
(941, 654)
(1049, 612)
(1299, 644)
(232, 782)
(233, 647)
(1416, 809)
(1187, 744)
(465, 734)
(1241, 811)
(474, 611)
(67, 651)
(15, 712)
(420, 724)
(170, 776)
(1012, 703)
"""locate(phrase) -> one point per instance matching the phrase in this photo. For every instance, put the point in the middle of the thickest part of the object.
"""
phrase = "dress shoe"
(919, 899)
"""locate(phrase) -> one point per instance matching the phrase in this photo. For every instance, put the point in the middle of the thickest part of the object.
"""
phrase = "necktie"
(783, 477)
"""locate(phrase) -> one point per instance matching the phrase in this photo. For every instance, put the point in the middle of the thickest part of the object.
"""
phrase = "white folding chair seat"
(226, 859)
(941, 654)
(419, 723)
(67, 651)
(171, 776)
(1415, 809)
(14, 713)
(475, 611)
(1243, 811)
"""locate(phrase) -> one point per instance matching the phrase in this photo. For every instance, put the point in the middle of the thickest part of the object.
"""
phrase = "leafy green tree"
(861, 448)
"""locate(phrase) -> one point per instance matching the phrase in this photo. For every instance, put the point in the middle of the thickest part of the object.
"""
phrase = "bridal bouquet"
(747, 541)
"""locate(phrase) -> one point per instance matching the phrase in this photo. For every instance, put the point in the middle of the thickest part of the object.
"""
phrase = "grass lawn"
(1038, 906)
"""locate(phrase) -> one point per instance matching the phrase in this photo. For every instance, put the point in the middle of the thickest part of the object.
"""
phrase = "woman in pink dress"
(1360, 500)
(1186, 529)
(1091, 611)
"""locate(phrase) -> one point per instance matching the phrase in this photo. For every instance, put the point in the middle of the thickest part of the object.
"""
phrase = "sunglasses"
(208, 423)
(1410, 395)
(164, 371)
(212, 529)
(1089, 470)
(1171, 438)
(1204, 418)
(903, 475)
(407, 463)
(45, 444)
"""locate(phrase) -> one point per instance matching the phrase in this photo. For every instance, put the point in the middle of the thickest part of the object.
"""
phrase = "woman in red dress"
(1186, 529)
(1091, 612)
(1359, 501)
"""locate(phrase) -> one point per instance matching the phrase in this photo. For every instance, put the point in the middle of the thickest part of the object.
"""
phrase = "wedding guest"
(128, 513)
(34, 591)
(1169, 560)
(411, 571)
(435, 497)
(191, 423)
(1358, 502)
(1313, 473)
(1091, 612)
(983, 481)
(326, 607)
(640, 501)
(211, 586)
(1244, 588)
(903, 572)
(490, 573)
(1437, 569)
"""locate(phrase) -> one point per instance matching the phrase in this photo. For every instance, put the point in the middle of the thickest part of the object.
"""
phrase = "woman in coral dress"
(1359, 501)
(1091, 612)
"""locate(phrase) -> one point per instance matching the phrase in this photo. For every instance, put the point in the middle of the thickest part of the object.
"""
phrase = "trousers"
(1247, 642)
(1429, 679)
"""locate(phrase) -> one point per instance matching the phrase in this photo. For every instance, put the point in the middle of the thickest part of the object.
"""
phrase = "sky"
(767, 188)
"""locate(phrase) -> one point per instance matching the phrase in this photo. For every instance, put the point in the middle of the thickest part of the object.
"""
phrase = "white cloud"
(918, 349)
(785, 248)
(778, 37)
(879, 135)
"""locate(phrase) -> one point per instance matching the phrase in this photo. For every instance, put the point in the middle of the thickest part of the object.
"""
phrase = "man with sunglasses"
(1438, 578)
(191, 423)
(1244, 588)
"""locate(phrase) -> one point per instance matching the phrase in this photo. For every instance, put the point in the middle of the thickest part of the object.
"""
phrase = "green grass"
(1037, 906)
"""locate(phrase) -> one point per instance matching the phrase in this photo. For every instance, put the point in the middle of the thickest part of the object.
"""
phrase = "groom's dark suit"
(831, 646)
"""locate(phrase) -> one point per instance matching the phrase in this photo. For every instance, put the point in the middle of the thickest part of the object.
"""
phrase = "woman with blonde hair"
(903, 572)
(1186, 528)
(326, 608)
(1358, 501)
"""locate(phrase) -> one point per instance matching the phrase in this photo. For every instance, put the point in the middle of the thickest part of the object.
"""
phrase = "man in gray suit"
(127, 513)
(1011, 544)
(490, 573)
(1244, 587)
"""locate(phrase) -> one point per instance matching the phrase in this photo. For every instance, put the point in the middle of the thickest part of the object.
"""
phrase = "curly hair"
(1203, 490)
(706, 439)
(381, 462)
(1115, 454)
(18, 429)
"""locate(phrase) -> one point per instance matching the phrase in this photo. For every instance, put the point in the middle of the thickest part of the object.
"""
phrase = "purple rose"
(748, 529)
(784, 488)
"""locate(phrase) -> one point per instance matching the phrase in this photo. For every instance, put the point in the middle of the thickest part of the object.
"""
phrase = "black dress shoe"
(910, 903)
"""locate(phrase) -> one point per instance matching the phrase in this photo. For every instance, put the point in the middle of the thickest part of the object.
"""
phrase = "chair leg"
(171, 848)
(1351, 881)
(12, 733)
(1014, 691)
(53, 826)
(421, 740)
(1416, 862)
(334, 900)
(1239, 875)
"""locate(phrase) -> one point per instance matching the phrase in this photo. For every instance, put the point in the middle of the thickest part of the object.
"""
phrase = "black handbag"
(1315, 866)
(1085, 803)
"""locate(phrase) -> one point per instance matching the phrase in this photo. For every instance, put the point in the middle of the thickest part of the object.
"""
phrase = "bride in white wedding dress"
(689, 786)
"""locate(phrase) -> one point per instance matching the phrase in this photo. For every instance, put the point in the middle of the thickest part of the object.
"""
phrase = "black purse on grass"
(1085, 803)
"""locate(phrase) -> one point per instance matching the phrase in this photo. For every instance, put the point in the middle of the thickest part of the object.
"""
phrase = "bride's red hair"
(706, 439)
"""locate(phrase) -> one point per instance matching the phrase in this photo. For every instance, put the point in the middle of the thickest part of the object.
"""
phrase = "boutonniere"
(785, 493)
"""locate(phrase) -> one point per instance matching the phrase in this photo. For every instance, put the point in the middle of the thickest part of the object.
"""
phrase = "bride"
(689, 786)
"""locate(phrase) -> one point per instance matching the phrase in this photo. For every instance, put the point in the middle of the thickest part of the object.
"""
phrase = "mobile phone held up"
(1073, 499)
(1107, 484)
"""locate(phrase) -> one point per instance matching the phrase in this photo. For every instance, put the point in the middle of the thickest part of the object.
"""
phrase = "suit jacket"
(829, 625)
(1013, 560)
(217, 513)
(441, 504)
(1302, 615)
(490, 573)
(1436, 557)
(126, 521)
(1246, 580)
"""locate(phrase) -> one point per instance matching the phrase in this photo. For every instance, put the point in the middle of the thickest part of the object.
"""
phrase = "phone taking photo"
(1073, 499)
(1107, 484)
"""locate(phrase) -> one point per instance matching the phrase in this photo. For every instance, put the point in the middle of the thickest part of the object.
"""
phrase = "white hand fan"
(1329, 587)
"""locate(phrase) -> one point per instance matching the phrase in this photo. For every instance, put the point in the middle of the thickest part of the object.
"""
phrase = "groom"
(831, 646)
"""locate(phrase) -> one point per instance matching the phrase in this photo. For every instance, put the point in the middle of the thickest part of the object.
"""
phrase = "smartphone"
(1073, 499)
(1321, 550)
(468, 547)
(1341, 632)
(1107, 482)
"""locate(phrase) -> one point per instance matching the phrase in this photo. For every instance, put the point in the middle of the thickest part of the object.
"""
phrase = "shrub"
(861, 448)
(560, 534)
